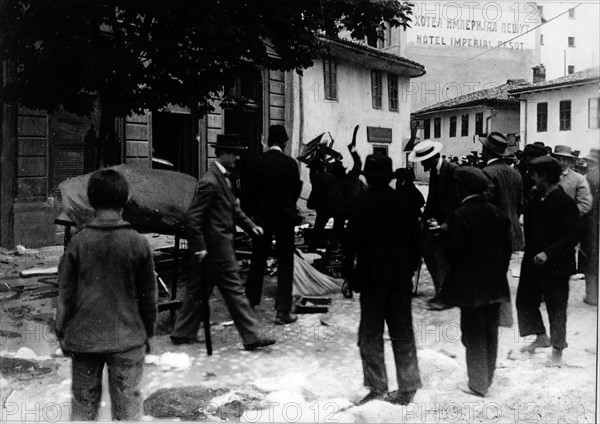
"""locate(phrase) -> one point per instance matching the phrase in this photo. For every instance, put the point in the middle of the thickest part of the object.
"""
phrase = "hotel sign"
(379, 135)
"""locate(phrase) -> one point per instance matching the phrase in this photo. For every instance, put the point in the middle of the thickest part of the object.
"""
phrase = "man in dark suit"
(273, 190)
(552, 229)
(478, 248)
(210, 226)
(383, 238)
(442, 199)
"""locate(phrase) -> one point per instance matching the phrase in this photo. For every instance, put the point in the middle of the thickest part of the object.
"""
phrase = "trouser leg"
(436, 263)
(492, 319)
(556, 296)
(125, 371)
(398, 315)
(254, 284)
(284, 247)
(86, 386)
(370, 340)
(476, 332)
(232, 290)
(189, 316)
(529, 297)
(319, 228)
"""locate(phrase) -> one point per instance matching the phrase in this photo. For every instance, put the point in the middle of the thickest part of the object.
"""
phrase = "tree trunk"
(109, 145)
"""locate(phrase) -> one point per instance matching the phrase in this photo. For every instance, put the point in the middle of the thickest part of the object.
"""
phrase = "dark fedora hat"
(472, 179)
(546, 164)
(378, 166)
(277, 135)
(228, 142)
(496, 143)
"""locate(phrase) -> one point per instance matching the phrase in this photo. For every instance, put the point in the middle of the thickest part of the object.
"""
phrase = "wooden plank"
(277, 113)
(212, 135)
(275, 75)
(140, 162)
(215, 121)
(32, 167)
(135, 131)
(136, 149)
(137, 119)
(277, 100)
(33, 146)
(277, 87)
(32, 126)
(32, 187)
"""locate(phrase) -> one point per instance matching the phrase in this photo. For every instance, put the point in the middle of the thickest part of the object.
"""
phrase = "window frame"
(564, 115)
(376, 89)
(452, 130)
(330, 79)
(572, 13)
(479, 123)
(393, 103)
(464, 125)
(437, 127)
(542, 117)
(571, 41)
(597, 114)
(426, 129)
(570, 69)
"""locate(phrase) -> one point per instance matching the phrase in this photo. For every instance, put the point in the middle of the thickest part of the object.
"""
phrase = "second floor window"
(565, 115)
(570, 69)
(572, 13)
(479, 123)
(452, 126)
(376, 89)
(464, 126)
(542, 117)
(426, 129)
(437, 127)
(330, 79)
(594, 113)
(571, 42)
(393, 92)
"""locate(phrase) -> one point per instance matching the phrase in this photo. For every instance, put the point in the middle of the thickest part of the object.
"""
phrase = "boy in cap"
(552, 229)
(478, 248)
(107, 304)
(383, 238)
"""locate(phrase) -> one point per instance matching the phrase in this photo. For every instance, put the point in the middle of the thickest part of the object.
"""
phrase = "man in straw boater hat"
(383, 238)
(442, 199)
(589, 241)
(273, 190)
(478, 247)
(210, 226)
(505, 191)
(552, 229)
(574, 184)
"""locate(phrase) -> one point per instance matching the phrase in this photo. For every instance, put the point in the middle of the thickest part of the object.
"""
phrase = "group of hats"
(277, 134)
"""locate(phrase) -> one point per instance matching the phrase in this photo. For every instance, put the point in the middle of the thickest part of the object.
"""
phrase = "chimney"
(539, 73)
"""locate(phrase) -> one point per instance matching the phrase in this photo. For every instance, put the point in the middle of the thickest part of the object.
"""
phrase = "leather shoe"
(373, 395)
(185, 340)
(285, 317)
(259, 343)
(400, 398)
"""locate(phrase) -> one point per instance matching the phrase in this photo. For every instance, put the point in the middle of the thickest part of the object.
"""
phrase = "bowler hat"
(425, 150)
(378, 166)
(534, 150)
(563, 151)
(496, 143)
(472, 179)
(277, 135)
(228, 142)
(546, 164)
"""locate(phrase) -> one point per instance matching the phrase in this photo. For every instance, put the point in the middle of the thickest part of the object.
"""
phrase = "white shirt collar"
(275, 147)
(492, 160)
(468, 197)
(221, 167)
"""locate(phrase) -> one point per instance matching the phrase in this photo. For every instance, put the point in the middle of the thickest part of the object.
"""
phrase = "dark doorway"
(173, 143)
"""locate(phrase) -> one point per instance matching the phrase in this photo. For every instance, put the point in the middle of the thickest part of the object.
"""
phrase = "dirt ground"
(313, 373)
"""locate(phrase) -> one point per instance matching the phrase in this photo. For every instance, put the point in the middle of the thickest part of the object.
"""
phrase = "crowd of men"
(466, 233)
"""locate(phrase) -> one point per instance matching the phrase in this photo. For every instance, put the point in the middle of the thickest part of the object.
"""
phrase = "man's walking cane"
(418, 276)
(205, 298)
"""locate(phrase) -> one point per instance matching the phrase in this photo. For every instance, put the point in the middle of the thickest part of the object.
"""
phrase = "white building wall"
(580, 137)
(556, 55)
(314, 115)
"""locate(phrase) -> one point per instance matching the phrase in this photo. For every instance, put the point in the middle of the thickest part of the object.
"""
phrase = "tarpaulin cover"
(159, 199)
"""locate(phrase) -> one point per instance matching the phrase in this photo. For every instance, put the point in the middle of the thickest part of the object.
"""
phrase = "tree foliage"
(144, 54)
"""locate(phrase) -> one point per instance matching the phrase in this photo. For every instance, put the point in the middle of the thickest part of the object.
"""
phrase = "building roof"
(363, 54)
(498, 94)
(577, 78)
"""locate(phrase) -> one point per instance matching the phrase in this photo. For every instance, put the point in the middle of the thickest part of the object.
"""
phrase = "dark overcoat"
(442, 198)
(478, 248)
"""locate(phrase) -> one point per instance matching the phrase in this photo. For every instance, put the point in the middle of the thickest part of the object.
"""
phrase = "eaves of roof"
(362, 54)
(586, 76)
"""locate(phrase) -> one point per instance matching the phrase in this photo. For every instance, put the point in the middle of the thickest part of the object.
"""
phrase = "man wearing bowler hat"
(210, 226)
(573, 183)
(273, 190)
(442, 199)
(381, 253)
(478, 247)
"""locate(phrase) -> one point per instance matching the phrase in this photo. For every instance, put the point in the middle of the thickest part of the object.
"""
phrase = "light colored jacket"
(577, 187)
